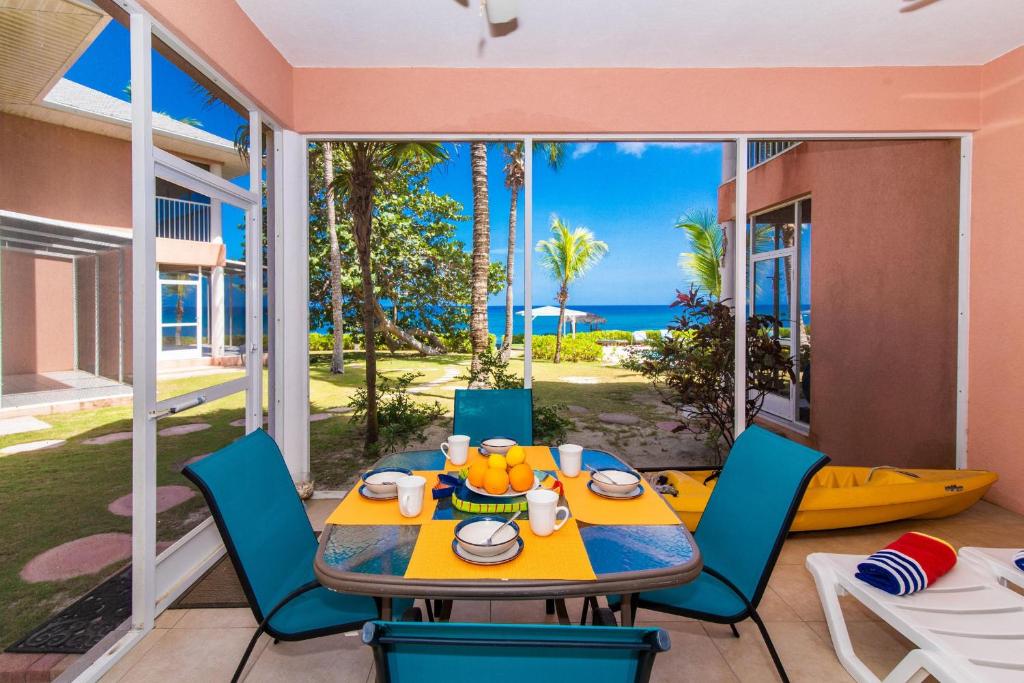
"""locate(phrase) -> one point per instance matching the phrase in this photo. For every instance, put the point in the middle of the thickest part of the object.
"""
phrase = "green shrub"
(319, 341)
(400, 418)
(548, 425)
(653, 336)
(573, 350)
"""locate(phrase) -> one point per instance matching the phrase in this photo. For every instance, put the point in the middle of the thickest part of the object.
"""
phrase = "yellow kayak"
(840, 497)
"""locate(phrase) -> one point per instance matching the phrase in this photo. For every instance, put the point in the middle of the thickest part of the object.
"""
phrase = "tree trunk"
(392, 330)
(563, 296)
(360, 203)
(179, 315)
(481, 253)
(506, 341)
(337, 302)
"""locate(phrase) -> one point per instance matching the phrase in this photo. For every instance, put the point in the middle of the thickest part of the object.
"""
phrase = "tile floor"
(204, 644)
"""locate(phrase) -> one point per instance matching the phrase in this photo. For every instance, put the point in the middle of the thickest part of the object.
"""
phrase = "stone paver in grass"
(341, 410)
(179, 430)
(196, 458)
(618, 418)
(113, 437)
(577, 410)
(240, 422)
(319, 417)
(77, 558)
(668, 425)
(20, 425)
(166, 498)
(30, 446)
(581, 379)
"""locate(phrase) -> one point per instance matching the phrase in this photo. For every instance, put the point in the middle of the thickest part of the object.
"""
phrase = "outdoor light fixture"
(500, 11)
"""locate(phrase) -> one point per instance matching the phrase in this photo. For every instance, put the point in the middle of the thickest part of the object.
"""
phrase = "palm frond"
(569, 254)
(703, 263)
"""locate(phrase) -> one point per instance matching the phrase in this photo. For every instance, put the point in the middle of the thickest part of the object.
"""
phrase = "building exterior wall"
(38, 315)
(883, 293)
(64, 173)
(995, 427)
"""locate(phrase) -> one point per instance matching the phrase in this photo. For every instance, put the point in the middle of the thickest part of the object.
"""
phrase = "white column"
(527, 263)
(963, 316)
(254, 282)
(728, 227)
(291, 292)
(739, 252)
(216, 311)
(144, 330)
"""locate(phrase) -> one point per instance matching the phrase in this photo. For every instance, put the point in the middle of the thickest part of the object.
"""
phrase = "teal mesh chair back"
(752, 507)
(514, 653)
(260, 517)
(483, 413)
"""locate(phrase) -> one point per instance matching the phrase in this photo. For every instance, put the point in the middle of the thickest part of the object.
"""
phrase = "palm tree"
(363, 164)
(337, 300)
(567, 256)
(703, 264)
(515, 177)
(478, 333)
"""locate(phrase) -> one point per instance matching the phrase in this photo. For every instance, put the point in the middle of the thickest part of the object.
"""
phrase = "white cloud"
(637, 149)
(581, 149)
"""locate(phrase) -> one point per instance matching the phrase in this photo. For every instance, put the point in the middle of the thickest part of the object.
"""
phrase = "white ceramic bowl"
(472, 534)
(499, 445)
(624, 482)
(384, 480)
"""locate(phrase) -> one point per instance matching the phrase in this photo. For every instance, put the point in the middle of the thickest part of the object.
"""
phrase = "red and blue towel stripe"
(909, 564)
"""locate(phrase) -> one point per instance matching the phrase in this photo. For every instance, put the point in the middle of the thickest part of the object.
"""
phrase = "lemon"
(515, 456)
(497, 461)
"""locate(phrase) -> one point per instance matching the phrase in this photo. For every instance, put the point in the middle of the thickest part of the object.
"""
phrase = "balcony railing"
(763, 150)
(182, 219)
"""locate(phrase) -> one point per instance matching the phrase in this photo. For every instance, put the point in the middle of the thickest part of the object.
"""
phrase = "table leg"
(562, 612)
(385, 609)
(626, 610)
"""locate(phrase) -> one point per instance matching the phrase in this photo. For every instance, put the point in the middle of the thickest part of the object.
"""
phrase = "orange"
(476, 473)
(495, 481)
(521, 477)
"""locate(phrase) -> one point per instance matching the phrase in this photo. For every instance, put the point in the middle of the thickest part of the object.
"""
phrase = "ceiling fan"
(913, 5)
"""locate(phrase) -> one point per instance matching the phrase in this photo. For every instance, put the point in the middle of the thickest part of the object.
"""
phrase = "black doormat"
(85, 622)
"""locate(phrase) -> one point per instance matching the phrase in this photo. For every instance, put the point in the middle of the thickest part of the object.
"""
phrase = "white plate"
(635, 493)
(510, 554)
(367, 493)
(509, 493)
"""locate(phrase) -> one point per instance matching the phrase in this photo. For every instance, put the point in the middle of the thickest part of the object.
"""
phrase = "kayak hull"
(842, 497)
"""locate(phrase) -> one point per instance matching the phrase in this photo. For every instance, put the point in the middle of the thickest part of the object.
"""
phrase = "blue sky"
(630, 194)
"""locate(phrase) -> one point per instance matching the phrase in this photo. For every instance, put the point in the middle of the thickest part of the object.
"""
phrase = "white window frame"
(197, 350)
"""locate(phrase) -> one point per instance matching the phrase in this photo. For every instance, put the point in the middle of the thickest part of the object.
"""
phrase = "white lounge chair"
(996, 561)
(967, 627)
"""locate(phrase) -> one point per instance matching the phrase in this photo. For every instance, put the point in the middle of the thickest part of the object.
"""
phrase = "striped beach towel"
(1018, 560)
(909, 564)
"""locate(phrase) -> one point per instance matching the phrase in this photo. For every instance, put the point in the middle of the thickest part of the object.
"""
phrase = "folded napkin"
(909, 564)
(1018, 560)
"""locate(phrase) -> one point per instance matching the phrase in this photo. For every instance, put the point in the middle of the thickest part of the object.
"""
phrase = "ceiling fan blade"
(915, 5)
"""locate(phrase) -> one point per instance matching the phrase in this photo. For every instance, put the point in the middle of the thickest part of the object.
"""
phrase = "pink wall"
(995, 424)
(63, 173)
(883, 293)
(634, 100)
(37, 313)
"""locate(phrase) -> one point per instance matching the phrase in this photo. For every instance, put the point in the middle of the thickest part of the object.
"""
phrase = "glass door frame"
(197, 283)
(787, 409)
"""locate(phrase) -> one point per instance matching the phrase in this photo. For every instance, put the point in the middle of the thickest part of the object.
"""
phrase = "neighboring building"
(874, 300)
(65, 225)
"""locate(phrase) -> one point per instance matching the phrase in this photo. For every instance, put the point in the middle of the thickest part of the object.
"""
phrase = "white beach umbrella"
(570, 314)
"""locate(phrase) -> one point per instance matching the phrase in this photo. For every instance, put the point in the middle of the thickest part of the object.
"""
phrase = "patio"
(205, 644)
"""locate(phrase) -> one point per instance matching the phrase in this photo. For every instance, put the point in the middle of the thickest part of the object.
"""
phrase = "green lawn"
(54, 496)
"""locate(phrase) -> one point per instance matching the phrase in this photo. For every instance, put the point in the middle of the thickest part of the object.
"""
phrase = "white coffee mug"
(543, 508)
(456, 449)
(570, 459)
(410, 495)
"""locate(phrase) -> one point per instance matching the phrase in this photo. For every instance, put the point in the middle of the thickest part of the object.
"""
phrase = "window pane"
(804, 366)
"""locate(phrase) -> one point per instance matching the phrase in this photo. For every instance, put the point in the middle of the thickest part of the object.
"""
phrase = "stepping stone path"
(618, 418)
(186, 463)
(450, 373)
(240, 422)
(77, 558)
(31, 446)
(577, 410)
(319, 417)
(179, 430)
(113, 437)
(668, 426)
(166, 498)
(341, 410)
(20, 425)
(574, 379)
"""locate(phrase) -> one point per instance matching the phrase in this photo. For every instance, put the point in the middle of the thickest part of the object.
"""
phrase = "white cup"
(570, 459)
(543, 508)
(410, 495)
(456, 449)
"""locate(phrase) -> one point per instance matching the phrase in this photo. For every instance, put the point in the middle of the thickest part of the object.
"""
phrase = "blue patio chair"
(484, 413)
(499, 653)
(741, 534)
(271, 544)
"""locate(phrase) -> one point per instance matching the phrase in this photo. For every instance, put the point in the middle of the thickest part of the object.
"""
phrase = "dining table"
(606, 547)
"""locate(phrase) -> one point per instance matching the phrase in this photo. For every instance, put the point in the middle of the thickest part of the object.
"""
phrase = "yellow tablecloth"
(589, 507)
(537, 457)
(560, 556)
(354, 509)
